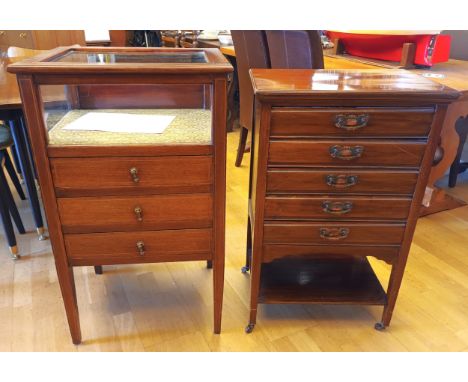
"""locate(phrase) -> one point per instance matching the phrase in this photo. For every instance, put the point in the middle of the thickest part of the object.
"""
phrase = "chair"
(251, 52)
(7, 203)
(458, 51)
(295, 49)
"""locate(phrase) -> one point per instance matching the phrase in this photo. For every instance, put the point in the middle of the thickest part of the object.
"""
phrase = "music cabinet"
(115, 189)
(340, 163)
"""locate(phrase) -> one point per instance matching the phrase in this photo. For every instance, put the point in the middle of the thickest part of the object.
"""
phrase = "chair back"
(251, 53)
(295, 49)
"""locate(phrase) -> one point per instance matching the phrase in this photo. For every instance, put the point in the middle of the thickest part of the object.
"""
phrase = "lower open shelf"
(322, 281)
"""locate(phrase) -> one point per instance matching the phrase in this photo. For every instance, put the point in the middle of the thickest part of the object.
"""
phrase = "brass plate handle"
(351, 122)
(139, 213)
(337, 208)
(341, 180)
(334, 233)
(344, 152)
(134, 174)
(140, 248)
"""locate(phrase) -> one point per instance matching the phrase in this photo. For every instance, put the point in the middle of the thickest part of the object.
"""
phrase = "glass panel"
(113, 115)
(74, 56)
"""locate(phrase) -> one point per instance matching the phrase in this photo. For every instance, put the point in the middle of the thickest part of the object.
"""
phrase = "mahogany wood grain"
(375, 153)
(128, 151)
(117, 213)
(111, 211)
(142, 96)
(383, 122)
(121, 247)
(31, 98)
(338, 208)
(309, 233)
(312, 181)
(219, 102)
(107, 176)
(324, 281)
(329, 251)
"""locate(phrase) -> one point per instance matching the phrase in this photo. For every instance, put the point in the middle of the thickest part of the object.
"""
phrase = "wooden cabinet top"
(358, 84)
(101, 60)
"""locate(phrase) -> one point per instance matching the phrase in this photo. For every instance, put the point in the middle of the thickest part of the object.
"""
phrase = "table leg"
(17, 131)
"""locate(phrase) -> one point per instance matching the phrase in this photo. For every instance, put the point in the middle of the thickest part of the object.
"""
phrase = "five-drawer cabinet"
(339, 167)
(130, 147)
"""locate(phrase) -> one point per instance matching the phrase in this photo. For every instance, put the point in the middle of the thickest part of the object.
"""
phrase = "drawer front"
(139, 247)
(333, 233)
(104, 214)
(127, 175)
(273, 252)
(340, 181)
(286, 122)
(336, 208)
(347, 153)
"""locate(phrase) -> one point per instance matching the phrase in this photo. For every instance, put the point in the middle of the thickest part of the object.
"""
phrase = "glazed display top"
(348, 84)
(76, 59)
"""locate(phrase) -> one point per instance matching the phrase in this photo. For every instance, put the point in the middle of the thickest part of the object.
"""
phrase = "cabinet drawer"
(278, 251)
(336, 208)
(139, 247)
(131, 175)
(104, 214)
(372, 122)
(333, 233)
(340, 181)
(347, 153)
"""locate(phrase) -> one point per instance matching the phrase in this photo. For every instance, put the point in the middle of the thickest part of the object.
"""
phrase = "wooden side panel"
(190, 96)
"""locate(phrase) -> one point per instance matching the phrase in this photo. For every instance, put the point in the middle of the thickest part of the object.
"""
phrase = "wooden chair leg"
(13, 175)
(241, 148)
(98, 269)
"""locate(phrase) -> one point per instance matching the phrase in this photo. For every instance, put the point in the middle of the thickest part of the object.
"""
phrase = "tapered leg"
(255, 271)
(394, 283)
(218, 289)
(98, 269)
(241, 148)
(7, 226)
(248, 251)
(13, 175)
(67, 287)
(26, 168)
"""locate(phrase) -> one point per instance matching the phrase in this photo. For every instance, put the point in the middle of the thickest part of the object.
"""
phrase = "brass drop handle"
(344, 152)
(22, 35)
(140, 248)
(334, 233)
(139, 213)
(351, 122)
(341, 180)
(337, 208)
(134, 174)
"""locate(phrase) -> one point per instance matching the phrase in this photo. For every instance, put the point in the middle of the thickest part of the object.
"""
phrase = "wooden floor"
(168, 307)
